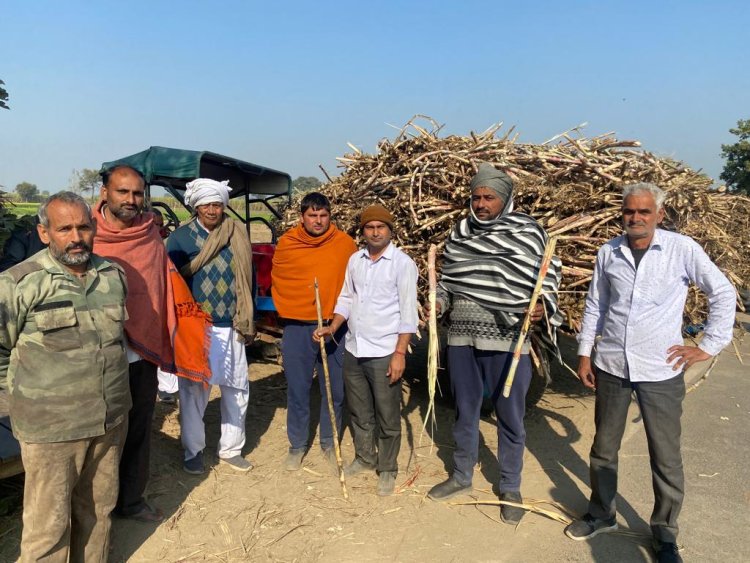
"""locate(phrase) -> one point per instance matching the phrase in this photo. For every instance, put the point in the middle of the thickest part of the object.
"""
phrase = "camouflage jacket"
(61, 349)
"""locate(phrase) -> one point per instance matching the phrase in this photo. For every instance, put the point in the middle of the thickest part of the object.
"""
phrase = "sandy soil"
(270, 514)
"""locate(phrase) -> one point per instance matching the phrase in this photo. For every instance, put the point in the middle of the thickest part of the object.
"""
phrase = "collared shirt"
(379, 301)
(638, 312)
(61, 348)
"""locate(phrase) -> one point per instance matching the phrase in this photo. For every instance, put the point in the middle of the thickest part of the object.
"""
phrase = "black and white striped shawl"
(496, 265)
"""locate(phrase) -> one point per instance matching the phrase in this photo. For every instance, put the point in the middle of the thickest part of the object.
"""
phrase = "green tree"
(27, 191)
(3, 96)
(736, 171)
(306, 184)
(86, 181)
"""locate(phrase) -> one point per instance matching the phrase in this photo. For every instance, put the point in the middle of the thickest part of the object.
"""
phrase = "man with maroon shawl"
(128, 236)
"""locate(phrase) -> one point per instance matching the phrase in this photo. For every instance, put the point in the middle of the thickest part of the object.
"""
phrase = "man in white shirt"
(635, 303)
(379, 302)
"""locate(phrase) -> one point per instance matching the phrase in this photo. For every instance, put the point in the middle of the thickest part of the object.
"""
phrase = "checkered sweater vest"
(213, 286)
(474, 325)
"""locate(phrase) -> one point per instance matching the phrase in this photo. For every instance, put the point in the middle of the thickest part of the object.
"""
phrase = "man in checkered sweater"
(213, 254)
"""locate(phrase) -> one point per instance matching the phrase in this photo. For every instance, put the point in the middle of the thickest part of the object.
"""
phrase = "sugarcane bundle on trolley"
(570, 186)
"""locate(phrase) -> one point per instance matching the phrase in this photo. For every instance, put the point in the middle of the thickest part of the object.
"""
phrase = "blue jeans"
(470, 369)
(301, 355)
(661, 407)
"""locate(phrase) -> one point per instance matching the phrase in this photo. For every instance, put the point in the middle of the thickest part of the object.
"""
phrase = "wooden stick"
(329, 395)
(546, 259)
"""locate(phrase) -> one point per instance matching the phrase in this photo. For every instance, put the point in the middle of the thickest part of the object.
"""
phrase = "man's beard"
(124, 214)
(67, 259)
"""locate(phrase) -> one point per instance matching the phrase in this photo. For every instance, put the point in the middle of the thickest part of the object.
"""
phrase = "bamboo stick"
(329, 395)
(549, 250)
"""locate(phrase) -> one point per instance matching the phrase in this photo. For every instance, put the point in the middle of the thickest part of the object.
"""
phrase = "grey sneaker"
(448, 489)
(386, 483)
(357, 467)
(511, 514)
(237, 462)
(293, 461)
(194, 465)
(588, 527)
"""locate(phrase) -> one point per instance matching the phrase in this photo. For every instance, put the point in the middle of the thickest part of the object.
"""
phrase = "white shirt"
(638, 313)
(379, 301)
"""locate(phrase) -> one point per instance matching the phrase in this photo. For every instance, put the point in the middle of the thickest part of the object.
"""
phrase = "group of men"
(368, 301)
(491, 263)
(107, 304)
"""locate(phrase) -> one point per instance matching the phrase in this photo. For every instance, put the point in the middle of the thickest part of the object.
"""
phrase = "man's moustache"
(78, 246)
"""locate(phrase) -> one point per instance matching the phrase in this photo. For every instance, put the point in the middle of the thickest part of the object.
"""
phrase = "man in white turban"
(205, 190)
(213, 254)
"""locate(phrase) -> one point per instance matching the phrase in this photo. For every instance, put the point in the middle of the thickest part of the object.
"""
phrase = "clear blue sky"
(287, 84)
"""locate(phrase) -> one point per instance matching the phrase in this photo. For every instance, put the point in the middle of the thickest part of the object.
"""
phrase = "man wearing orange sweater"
(314, 248)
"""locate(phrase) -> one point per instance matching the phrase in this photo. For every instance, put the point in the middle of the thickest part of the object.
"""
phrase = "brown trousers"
(70, 491)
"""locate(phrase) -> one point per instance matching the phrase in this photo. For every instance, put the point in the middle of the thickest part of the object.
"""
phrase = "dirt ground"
(270, 514)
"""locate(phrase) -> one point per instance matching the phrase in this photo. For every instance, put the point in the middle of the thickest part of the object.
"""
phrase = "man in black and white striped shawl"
(490, 267)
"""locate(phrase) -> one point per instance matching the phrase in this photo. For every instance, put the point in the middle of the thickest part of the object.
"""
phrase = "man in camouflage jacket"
(63, 362)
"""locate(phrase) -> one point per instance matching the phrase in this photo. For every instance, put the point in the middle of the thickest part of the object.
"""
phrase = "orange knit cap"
(376, 213)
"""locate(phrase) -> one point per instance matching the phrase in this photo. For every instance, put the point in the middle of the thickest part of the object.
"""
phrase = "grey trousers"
(661, 408)
(375, 408)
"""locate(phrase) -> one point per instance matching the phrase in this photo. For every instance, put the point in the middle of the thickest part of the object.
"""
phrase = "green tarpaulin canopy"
(173, 168)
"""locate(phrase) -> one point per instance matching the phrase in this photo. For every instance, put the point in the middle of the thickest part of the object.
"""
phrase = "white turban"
(204, 190)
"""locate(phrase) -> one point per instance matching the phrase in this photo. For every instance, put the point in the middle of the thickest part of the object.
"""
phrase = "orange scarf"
(299, 259)
(165, 326)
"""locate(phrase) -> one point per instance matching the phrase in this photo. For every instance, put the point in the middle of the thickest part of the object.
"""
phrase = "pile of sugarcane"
(570, 184)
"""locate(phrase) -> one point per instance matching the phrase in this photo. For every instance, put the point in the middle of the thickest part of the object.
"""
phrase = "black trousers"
(375, 408)
(661, 408)
(136, 454)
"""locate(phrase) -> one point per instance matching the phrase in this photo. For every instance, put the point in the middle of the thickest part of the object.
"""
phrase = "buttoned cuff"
(342, 310)
(585, 348)
(406, 328)
(710, 347)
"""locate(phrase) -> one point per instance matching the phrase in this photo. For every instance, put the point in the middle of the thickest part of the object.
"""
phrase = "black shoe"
(588, 527)
(194, 465)
(511, 514)
(448, 489)
(667, 552)
(356, 467)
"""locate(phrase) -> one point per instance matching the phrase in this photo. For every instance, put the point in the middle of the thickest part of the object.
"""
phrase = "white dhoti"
(228, 365)
(167, 381)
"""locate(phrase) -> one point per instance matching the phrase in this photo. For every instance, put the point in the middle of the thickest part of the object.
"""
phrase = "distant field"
(21, 209)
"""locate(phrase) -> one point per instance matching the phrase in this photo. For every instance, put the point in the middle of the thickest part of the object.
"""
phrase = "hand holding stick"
(329, 395)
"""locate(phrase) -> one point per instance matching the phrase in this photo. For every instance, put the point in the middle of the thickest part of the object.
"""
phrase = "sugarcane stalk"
(433, 349)
(329, 395)
(549, 250)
